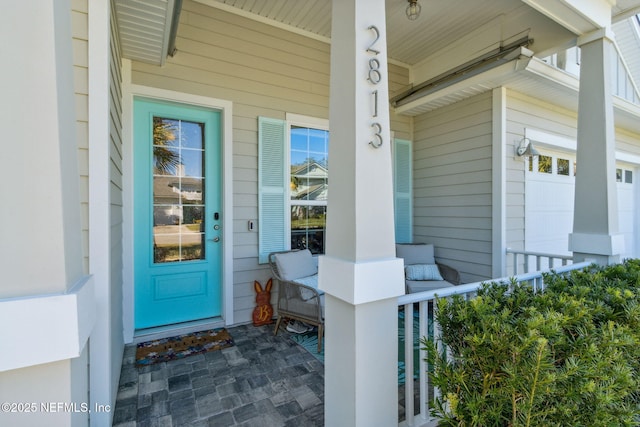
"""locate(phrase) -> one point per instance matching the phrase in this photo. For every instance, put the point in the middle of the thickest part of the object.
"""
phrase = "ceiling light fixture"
(413, 10)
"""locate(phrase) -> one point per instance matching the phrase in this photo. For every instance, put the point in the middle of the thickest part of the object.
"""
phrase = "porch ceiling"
(408, 42)
(146, 27)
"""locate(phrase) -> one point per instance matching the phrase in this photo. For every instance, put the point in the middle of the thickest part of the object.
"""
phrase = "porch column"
(359, 273)
(595, 220)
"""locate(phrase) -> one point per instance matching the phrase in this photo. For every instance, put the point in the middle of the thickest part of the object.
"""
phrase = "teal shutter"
(272, 178)
(402, 194)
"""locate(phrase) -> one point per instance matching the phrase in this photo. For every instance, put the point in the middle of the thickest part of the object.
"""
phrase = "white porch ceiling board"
(309, 15)
(144, 27)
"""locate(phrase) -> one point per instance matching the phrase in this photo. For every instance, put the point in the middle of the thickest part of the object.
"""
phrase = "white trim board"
(545, 139)
(60, 323)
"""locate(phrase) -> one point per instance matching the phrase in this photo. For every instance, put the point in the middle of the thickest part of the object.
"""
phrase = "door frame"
(226, 109)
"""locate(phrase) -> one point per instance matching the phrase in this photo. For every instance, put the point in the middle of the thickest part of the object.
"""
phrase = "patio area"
(263, 380)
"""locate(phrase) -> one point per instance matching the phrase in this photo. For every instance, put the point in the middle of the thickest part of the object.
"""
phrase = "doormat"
(309, 341)
(181, 346)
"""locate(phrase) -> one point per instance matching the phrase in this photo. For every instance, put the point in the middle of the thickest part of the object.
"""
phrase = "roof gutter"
(502, 55)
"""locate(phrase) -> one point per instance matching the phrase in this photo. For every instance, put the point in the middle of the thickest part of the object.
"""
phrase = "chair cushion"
(422, 272)
(312, 282)
(415, 253)
(414, 286)
(293, 265)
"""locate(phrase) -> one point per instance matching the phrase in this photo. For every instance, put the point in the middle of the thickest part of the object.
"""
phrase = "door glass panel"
(178, 190)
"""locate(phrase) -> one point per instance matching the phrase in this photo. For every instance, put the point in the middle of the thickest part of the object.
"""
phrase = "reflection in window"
(619, 175)
(563, 167)
(309, 153)
(178, 190)
(544, 164)
(308, 225)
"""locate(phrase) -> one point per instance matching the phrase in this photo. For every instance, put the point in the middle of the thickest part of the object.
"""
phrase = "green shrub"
(568, 356)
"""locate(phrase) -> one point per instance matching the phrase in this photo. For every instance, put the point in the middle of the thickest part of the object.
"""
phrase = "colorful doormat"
(178, 347)
(309, 340)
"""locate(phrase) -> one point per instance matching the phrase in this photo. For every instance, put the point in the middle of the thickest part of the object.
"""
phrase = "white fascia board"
(578, 16)
(58, 324)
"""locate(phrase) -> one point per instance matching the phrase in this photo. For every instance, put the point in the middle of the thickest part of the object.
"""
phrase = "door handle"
(215, 239)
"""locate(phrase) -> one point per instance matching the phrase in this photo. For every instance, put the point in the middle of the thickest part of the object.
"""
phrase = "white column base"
(362, 351)
(599, 248)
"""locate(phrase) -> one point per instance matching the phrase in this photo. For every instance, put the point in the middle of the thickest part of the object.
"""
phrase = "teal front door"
(177, 213)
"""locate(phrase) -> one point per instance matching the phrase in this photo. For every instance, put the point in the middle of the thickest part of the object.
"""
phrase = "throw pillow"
(422, 272)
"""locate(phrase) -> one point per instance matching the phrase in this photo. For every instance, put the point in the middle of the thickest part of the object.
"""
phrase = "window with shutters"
(293, 181)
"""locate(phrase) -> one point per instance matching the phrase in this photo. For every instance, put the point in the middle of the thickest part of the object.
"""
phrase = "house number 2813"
(374, 76)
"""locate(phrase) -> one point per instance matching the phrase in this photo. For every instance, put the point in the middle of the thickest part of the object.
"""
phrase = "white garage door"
(549, 191)
(549, 194)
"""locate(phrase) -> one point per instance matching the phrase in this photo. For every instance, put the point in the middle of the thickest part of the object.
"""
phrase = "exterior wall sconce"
(525, 147)
(413, 10)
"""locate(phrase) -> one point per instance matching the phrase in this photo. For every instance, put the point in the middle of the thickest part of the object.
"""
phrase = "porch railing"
(522, 262)
(416, 394)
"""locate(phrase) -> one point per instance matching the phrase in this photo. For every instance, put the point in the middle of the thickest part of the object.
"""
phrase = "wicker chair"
(421, 256)
(296, 272)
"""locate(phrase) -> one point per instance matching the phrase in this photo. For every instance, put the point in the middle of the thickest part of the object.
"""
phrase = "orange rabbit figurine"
(263, 313)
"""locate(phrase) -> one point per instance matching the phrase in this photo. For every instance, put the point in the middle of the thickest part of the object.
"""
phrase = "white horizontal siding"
(264, 71)
(452, 185)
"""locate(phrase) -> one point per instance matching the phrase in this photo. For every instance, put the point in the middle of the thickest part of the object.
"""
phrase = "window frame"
(298, 120)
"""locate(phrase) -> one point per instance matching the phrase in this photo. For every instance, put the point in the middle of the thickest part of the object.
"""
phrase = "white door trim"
(130, 90)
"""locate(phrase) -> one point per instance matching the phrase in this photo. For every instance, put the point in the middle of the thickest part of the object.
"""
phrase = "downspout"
(175, 19)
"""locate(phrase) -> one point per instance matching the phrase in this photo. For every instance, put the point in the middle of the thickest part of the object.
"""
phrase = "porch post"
(595, 220)
(359, 273)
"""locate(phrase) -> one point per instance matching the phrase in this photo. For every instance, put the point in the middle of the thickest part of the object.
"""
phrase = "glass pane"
(191, 190)
(192, 163)
(166, 190)
(619, 175)
(563, 167)
(544, 164)
(166, 215)
(317, 141)
(628, 177)
(308, 225)
(178, 190)
(193, 217)
(192, 135)
(166, 247)
(299, 139)
(309, 170)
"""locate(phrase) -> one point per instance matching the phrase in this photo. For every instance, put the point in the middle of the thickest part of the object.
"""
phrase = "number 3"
(378, 138)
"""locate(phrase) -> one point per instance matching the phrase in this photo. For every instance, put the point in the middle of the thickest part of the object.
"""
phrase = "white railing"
(522, 262)
(418, 393)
